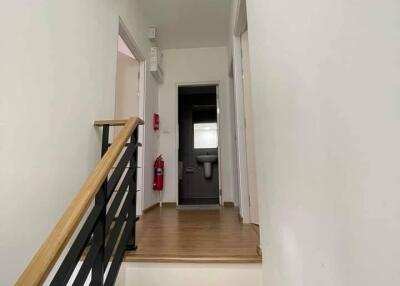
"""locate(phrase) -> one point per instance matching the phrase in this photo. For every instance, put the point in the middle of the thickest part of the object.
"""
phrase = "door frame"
(193, 84)
(240, 25)
(129, 40)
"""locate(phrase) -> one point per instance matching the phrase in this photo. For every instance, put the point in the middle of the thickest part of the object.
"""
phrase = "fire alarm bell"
(156, 121)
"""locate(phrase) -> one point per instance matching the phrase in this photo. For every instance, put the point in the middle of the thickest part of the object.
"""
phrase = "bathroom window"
(205, 135)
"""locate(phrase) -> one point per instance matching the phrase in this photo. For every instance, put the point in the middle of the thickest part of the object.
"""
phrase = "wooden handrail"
(114, 122)
(48, 254)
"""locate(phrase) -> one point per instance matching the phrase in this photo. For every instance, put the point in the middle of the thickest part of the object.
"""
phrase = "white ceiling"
(189, 23)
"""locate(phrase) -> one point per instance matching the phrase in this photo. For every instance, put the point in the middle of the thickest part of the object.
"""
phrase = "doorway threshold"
(199, 207)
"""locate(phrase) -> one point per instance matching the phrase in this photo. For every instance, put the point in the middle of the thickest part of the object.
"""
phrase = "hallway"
(215, 236)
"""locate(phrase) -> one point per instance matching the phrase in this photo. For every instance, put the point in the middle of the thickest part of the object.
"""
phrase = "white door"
(249, 127)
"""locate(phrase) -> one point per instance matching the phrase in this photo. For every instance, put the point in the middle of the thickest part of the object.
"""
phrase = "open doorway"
(198, 145)
(130, 95)
(126, 83)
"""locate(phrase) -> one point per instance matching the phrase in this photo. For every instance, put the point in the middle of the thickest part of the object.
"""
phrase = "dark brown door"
(197, 136)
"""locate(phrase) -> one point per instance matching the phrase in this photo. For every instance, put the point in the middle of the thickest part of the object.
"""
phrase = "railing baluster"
(132, 188)
(99, 235)
(105, 140)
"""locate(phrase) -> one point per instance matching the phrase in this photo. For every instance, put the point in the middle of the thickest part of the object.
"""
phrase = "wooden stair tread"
(132, 257)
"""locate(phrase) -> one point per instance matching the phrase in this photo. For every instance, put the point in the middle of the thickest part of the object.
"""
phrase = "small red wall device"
(156, 121)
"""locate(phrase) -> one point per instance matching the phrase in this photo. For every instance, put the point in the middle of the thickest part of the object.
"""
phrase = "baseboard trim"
(164, 204)
(229, 204)
(169, 204)
(256, 228)
(259, 251)
(150, 208)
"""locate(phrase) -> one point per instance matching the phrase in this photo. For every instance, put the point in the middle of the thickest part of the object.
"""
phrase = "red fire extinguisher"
(158, 182)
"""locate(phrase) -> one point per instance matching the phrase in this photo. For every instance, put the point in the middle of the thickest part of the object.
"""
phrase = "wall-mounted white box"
(152, 34)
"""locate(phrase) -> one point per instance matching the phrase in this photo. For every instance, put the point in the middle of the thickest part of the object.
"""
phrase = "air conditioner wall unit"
(152, 34)
(156, 64)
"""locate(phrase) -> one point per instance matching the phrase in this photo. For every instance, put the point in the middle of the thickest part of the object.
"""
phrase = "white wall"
(58, 64)
(326, 103)
(152, 141)
(182, 274)
(184, 66)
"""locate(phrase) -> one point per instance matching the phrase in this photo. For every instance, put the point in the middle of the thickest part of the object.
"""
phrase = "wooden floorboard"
(197, 236)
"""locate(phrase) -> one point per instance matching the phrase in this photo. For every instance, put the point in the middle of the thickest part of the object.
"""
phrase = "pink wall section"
(123, 48)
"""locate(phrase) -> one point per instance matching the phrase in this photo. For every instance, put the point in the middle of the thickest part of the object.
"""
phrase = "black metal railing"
(110, 227)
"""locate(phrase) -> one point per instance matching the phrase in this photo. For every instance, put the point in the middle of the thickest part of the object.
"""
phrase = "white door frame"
(240, 23)
(139, 56)
(210, 83)
(235, 174)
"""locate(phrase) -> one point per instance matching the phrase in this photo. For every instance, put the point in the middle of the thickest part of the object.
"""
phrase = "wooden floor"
(213, 236)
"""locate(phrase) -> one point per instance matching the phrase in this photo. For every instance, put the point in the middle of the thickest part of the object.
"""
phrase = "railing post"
(100, 228)
(133, 188)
